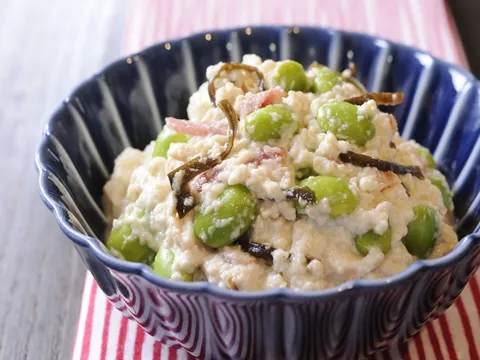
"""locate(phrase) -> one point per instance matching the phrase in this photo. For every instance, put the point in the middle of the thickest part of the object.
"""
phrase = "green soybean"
(164, 262)
(342, 119)
(229, 220)
(427, 155)
(290, 75)
(325, 80)
(164, 140)
(371, 239)
(422, 231)
(446, 193)
(129, 247)
(340, 198)
(269, 123)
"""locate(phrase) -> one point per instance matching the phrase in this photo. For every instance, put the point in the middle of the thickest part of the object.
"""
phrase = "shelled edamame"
(269, 123)
(342, 119)
(122, 242)
(232, 217)
(289, 75)
(340, 199)
(422, 231)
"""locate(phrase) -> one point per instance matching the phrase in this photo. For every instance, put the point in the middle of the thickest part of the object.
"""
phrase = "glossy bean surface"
(229, 220)
(342, 119)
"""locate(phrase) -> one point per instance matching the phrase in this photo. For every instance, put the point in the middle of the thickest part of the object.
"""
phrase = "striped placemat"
(102, 331)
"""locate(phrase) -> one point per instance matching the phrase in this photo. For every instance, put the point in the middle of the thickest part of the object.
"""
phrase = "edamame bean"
(427, 155)
(164, 262)
(129, 247)
(269, 123)
(164, 140)
(325, 79)
(371, 239)
(342, 119)
(341, 199)
(289, 75)
(121, 240)
(421, 231)
(229, 220)
(446, 193)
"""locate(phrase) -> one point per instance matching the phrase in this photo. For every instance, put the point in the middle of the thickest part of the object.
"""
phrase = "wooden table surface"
(46, 48)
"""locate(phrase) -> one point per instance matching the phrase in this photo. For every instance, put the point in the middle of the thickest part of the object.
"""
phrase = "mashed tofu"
(309, 249)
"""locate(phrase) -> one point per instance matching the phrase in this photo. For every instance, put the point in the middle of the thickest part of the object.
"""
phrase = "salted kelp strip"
(301, 193)
(257, 250)
(381, 98)
(229, 67)
(382, 165)
(182, 175)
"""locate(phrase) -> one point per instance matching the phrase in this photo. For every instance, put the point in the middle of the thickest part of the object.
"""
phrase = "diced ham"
(205, 177)
(253, 102)
(266, 153)
(193, 128)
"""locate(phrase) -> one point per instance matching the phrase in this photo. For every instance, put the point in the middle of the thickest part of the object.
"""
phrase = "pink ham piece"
(253, 102)
(266, 153)
(203, 178)
(194, 128)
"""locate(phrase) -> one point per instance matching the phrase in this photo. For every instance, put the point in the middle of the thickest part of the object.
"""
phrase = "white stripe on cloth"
(83, 317)
(438, 332)
(460, 341)
(97, 327)
(150, 21)
(113, 334)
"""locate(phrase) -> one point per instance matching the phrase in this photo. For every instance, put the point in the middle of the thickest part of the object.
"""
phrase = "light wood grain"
(46, 48)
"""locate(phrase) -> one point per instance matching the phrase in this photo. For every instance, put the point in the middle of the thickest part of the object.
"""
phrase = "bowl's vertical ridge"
(85, 134)
(423, 85)
(382, 64)
(111, 107)
(146, 85)
(458, 107)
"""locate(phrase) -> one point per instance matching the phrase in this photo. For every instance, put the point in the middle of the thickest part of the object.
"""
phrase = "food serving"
(281, 177)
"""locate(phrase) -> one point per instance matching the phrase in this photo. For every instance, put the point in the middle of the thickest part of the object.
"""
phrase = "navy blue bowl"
(126, 104)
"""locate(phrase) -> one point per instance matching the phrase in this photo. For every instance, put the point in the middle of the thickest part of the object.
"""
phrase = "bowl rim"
(98, 249)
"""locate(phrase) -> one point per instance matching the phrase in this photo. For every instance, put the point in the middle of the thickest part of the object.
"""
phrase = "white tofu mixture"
(307, 247)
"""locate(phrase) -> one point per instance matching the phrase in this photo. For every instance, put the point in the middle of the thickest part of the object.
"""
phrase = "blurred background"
(48, 47)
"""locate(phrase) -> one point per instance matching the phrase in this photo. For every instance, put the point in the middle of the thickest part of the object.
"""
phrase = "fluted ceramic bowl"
(126, 104)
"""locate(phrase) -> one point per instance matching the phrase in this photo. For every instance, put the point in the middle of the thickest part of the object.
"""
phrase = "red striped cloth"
(102, 331)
